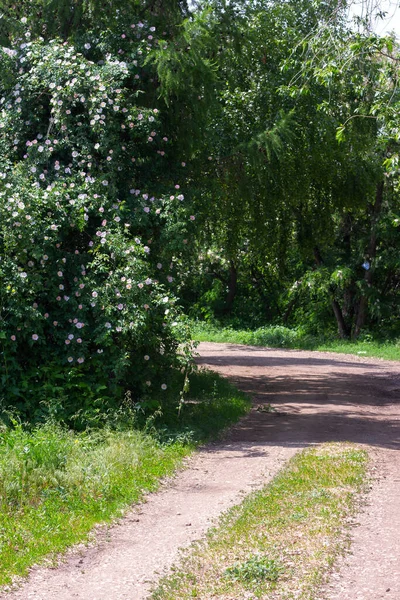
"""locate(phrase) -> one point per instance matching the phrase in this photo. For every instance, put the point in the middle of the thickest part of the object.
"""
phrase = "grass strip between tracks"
(280, 542)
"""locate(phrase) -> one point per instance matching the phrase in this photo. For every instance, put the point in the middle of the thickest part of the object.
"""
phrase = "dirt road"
(318, 397)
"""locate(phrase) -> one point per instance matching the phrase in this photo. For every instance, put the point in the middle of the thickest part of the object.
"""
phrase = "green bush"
(90, 226)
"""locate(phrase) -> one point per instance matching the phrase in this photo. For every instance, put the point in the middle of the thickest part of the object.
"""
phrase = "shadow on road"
(314, 399)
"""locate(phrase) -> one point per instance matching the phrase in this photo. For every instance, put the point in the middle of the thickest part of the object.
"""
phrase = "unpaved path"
(320, 397)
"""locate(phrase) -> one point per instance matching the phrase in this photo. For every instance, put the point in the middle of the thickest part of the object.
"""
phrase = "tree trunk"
(342, 327)
(362, 311)
(343, 330)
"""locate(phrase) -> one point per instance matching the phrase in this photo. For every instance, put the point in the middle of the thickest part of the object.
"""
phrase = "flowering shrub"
(91, 226)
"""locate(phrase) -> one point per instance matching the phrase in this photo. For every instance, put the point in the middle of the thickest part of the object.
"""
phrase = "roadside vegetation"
(280, 542)
(161, 161)
(56, 484)
(284, 337)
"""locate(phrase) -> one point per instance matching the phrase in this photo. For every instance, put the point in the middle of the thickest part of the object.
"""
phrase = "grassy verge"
(283, 337)
(55, 484)
(281, 541)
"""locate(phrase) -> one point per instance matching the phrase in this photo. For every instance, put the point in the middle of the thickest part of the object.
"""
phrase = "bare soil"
(317, 397)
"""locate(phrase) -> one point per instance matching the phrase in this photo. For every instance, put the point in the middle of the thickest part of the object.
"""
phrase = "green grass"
(280, 542)
(283, 337)
(56, 484)
(211, 404)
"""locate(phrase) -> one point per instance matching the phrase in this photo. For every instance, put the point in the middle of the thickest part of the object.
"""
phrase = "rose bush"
(92, 225)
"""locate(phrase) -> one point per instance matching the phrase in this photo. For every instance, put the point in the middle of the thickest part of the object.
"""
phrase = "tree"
(283, 196)
(361, 73)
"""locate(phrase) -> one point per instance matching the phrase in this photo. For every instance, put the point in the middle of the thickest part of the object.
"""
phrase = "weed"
(254, 569)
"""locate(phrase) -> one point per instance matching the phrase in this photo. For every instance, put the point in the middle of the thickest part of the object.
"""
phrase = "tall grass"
(55, 485)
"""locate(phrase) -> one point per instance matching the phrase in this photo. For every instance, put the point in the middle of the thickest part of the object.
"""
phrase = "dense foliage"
(238, 158)
(92, 223)
(299, 191)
